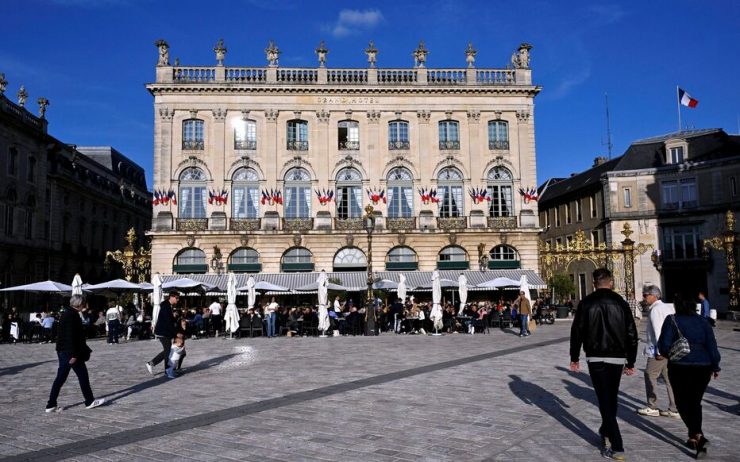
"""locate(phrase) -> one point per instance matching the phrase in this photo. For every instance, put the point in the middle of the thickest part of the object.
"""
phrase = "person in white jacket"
(657, 364)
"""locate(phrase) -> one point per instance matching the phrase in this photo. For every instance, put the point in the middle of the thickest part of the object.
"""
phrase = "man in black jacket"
(164, 330)
(605, 327)
(73, 352)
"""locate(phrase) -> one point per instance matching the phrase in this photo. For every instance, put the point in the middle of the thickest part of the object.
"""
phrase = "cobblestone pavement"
(390, 398)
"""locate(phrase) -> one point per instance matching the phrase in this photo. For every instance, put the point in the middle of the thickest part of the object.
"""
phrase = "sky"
(92, 58)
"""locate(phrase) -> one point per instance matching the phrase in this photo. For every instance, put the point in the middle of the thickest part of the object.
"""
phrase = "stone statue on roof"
(220, 51)
(272, 52)
(372, 53)
(520, 58)
(164, 52)
(322, 51)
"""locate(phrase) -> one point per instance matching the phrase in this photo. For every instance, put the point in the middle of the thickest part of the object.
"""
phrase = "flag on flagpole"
(686, 100)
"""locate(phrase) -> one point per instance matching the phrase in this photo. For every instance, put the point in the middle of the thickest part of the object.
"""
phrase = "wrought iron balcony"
(192, 145)
(349, 145)
(297, 224)
(501, 222)
(399, 145)
(192, 224)
(502, 145)
(452, 222)
(449, 145)
(249, 145)
(401, 223)
(244, 224)
(297, 145)
(346, 224)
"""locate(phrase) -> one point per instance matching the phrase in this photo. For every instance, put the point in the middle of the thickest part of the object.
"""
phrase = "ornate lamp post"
(217, 263)
(136, 263)
(726, 241)
(369, 222)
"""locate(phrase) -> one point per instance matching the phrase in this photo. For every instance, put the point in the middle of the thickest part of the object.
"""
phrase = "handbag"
(85, 354)
(680, 347)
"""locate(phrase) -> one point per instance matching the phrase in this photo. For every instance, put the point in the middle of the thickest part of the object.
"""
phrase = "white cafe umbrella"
(463, 289)
(251, 292)
(232, 314)
(115, 286)
(323, 291)
(402, 288)
(185, 284)
(524, 287)
(498, 283)
(263, 286)
(77, 285)
(315, 286)
(43, 286)
(156, 298)
(436, 314)
(385, 284)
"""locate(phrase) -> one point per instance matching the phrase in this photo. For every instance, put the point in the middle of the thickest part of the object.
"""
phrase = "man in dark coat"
(73, 352)
(164, 330)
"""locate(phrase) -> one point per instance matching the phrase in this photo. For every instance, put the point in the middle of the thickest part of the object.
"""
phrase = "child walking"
(176, 354)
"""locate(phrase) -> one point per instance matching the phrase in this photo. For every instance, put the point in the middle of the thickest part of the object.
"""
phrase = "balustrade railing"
(349, 145)
(244, 224)
(344, 76)
(396, 76)
(192, 224)
(449, 145)
(447, 76)
(399, 145)
(498, 144)
(192, 145)
(346, 224)
(246, 74)
(297, 75)
(401, 223)
(194, 74)
(452, 222)
(249, 145)
(297, 146)
(495, 77)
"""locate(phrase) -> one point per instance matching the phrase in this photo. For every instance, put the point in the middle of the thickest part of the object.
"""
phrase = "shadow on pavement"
(21, 367)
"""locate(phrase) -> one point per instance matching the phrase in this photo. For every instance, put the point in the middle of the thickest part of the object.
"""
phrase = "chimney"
(599, 160)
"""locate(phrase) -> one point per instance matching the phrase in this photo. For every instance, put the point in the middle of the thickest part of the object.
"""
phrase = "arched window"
(453, 257)
(350, 259)
(400, 193)
(398, 135)
(504, 257)
(349, 194)
(450, 191)
(10, 197)
(192, 134)
(297, 259)
(449, 135)
(297, 202)
(245, 194)
(245, 134)
(192, 197)
(245, 260)
(498, 134)
(297, 135)
(191, 260)
(401, 258)
(349, 135)
(500, 189)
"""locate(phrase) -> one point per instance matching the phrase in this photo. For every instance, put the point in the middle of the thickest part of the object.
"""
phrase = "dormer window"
(676, 155)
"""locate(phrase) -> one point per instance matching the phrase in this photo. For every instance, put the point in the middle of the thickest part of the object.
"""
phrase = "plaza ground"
(390, 398)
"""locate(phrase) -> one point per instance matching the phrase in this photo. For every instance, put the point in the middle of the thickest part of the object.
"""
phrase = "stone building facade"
(673, 190)
(61, 206)
(299, 153)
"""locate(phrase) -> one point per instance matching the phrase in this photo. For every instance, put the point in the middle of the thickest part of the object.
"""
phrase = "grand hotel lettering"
(346, 100)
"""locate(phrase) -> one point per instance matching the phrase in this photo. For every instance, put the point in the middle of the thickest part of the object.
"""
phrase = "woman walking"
(691, 373)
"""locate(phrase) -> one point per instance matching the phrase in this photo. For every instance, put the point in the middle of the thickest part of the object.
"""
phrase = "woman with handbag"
(689, 343)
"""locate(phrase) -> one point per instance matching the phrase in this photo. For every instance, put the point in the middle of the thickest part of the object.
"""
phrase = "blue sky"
(91, 59)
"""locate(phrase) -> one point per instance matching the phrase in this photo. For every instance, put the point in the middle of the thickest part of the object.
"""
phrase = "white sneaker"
(648, 411)
(49, 410)
(96, 403)
(669, 413)
(150, 368)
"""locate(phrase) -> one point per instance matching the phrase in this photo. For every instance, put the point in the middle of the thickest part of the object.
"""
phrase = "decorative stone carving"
(401, 239)
(452, 237)
(271, 115)
(43, 104)
(3, 83)
(373, 116)
(190, 239)
(424, 116)
(372, 54)
(349, 240)
(166, 113)
(164, 52)
(193, 113)
(245, 114)
(297, 114)
(498, 114)
(220, 51)
(272, 52)
(297, 239)
(473, 116)
(22, 96)
(323, 116)
(322, 51)
(244, 240)
(522, 116)
(520, 58)
(470, 53)
(420, 55)
(219, 114)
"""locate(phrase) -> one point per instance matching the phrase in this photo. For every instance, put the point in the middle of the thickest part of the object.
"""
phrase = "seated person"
(294, 320)
(353, 321)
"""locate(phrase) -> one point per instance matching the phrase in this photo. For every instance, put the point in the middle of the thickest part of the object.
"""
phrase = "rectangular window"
(627, 193)
(558, 242)
(592, 205)
(546, 216)
(595, 237)
(733, 186)
(579, 214)
(568, 217)
(557, 217)
(681, 242)
(501, 204)
(452, 201)
(675, 155)
(297, 202)
(9, 215)
(688, 193)
(349, 136)
(349, 202)
(398, 135)
(449, 135)
(498, 134)
(568, 241)
(192, 134)
(669, 191)
(29, 224)
(245, 135)
(400, 202)
(298, 135)
(12, 161)
(31, 174)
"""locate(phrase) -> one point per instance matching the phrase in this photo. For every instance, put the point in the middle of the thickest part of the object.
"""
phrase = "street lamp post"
(727, 241)
(369, 222)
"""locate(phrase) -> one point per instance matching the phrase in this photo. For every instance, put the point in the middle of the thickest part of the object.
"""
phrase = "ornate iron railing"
(244, 224)
(399, 145)
(297, 146)
(297, 224)
(449, 145)
(349, 145)
(452, 222)
(501, 222)
(498, 144)
(347, 224)
(401, 223)
(249, 145)
(192, 224)
(193, 145)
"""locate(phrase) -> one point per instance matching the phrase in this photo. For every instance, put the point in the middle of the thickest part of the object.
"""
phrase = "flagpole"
(678, 106)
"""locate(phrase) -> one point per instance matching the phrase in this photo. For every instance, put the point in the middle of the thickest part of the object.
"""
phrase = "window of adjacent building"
(245, 256)
(688, 192)
(398, 135)
(401, 254)
(592, 206)
(349, 135)
(245, 134)
(297, 135)
(12, 161)
(500, 184)
(568, 217)
(627, 196)
(349, 194)
(679, 194)
(192, 197)
(31, 173)
(400, 193)
(579, 214)
(558, 241)
(450, 191)
(245, 194)
(453, 253)
(498, 134)
(595, 237)
(297, 201)
(449, 134)
(192, 134)
(733, 186)
(557, 216)
(681, 242)
(546, 217)
(675, 155)
(568, 241)
(10, 197)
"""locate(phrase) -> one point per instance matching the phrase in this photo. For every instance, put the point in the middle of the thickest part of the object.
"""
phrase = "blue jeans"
(113, 327)
(62, 374)
(524, 320)
(271, 318)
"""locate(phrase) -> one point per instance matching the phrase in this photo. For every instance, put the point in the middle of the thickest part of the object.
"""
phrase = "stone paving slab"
(399, 398)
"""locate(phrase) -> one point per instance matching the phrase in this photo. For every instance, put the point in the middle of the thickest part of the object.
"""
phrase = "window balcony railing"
(399, 145)
(193, 145)
(452, 222)
(297, 145)
(244, 224)
(501, 222)
(349, 145)
(249, 145)
(401, 223)
(449, 145)
(192, 224)
(498, 145)
(347, 224)
(297, 224)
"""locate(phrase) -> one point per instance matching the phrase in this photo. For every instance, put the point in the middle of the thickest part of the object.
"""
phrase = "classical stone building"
(61, 206)
(298, 153)
(673, 190)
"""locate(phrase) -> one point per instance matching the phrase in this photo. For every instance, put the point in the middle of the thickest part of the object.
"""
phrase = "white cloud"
(352, 22)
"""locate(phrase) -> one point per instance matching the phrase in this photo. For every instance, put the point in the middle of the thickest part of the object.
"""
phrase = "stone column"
(163, 147)
(271, 169)
(475, 151)
(423, 150)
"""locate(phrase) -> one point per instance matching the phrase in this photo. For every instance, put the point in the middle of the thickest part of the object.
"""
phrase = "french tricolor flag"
(686, 99)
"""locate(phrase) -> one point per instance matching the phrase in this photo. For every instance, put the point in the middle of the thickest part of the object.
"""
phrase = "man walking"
(525, 310)
(605, 328)
(164, 330)
(113, 317)
(705, 310)
(216, 317)
(657, 312)
(73, 352)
